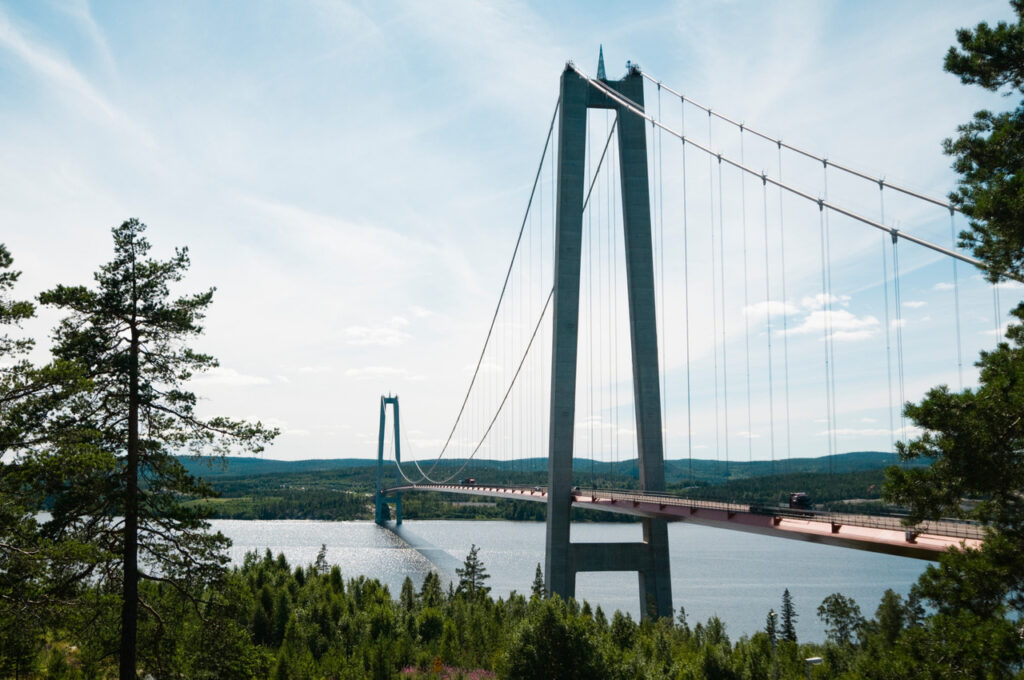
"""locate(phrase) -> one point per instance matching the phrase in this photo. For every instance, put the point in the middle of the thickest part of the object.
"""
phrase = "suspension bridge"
(656, 251)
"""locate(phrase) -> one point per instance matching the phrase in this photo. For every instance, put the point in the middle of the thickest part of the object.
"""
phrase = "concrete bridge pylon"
(563, 558)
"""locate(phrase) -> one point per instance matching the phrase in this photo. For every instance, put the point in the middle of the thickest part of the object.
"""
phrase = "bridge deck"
(884, 534)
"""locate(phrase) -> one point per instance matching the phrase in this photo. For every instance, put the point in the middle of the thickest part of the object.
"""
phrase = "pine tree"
(538, 589)
(789, 617)
(39, 574)
(472, 576)
(130, 335)
(321, 565)
(771, 627)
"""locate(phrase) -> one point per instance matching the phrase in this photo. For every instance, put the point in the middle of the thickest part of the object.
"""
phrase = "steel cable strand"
(686, 300)
(888, 329)
(956, 303)
(832, 334)
(768, 322)
(824, 331)
(746, 299)
(785, 317)
(632, 107)
(714, 295)
(899, 335)
(508, 273)
(721, 300)
(504, 399)
(546, 304)
(661, 277)
(806, 154)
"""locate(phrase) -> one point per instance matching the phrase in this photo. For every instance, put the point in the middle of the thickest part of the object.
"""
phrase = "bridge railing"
(945, 527)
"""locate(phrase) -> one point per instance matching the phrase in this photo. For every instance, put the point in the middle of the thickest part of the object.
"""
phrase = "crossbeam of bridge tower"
(564, 559)
(380, 500)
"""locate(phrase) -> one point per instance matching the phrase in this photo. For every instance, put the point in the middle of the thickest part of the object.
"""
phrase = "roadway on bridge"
(875, 533)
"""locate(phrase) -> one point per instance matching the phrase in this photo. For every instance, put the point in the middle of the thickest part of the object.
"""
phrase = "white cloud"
(384, 336)
(420, 312)
(772, 308)
(1001, 332)
(844, 324)
(943, 285)
(229, 376)
(914, 304)
(819, 300)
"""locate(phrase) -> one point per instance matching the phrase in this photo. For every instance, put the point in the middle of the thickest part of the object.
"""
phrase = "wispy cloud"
(229, 376)
(67, 80)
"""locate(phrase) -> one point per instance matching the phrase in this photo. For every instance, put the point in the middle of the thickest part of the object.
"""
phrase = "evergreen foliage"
(789, 617)
(129, 336)
(472, 576)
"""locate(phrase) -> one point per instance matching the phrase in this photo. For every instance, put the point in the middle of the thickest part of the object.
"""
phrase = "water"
(734, 575)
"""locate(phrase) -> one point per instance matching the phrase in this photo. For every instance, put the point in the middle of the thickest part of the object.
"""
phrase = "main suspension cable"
(631, 106)
(504, 286)
(802, 152)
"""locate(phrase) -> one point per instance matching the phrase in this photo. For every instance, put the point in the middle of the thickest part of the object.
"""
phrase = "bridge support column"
(563, 559)
(380, 514)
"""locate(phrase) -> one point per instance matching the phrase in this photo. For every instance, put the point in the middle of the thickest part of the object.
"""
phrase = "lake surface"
(734, 575)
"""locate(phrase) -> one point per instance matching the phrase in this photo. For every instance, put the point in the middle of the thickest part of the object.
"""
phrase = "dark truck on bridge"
(799, 500)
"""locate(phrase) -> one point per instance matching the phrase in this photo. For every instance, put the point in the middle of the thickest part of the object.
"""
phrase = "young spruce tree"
(130, 334)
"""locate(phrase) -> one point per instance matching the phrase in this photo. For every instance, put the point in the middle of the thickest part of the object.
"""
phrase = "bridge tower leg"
(380, 500)
(564, 559)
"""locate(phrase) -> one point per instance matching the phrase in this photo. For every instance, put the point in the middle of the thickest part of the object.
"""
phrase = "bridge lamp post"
(812, 661)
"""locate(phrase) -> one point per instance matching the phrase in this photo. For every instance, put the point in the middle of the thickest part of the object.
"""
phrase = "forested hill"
(710, 471)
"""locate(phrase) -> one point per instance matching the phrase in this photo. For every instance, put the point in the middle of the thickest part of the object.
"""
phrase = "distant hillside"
(703, 470)
(250, 466)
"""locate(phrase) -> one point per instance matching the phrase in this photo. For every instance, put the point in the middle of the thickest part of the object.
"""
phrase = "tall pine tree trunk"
(130, 606)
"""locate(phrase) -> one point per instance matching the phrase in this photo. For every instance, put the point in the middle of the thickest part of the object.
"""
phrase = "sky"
(352, 176)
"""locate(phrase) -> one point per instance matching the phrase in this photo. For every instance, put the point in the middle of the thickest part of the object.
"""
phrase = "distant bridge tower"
(380, 500)
(564, 559)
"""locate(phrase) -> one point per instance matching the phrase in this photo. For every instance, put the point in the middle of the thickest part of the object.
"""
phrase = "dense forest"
(268, 619)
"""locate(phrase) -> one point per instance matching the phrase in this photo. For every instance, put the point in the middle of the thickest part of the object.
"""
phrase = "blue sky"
(351, 177)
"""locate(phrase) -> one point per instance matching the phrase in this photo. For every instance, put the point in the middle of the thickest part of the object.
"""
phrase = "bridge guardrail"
(949, 527)
(956, 528)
